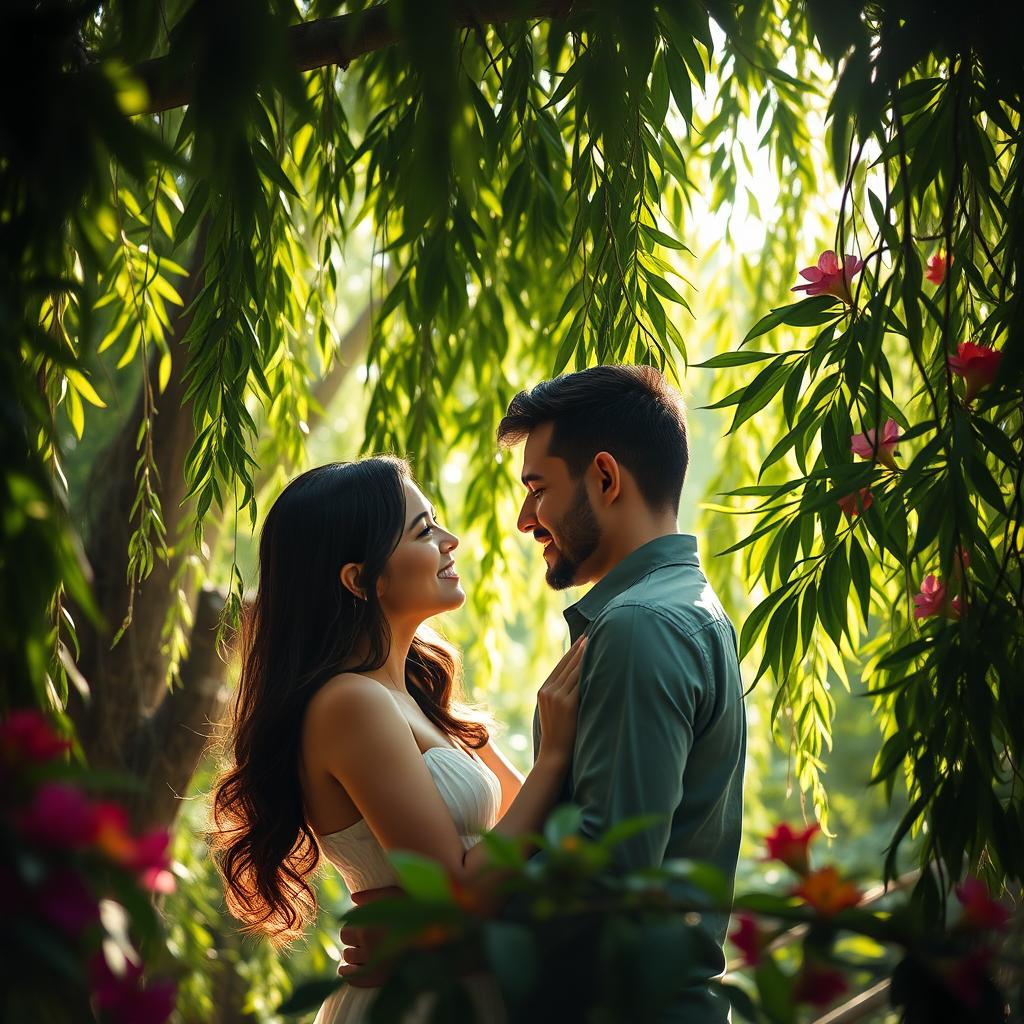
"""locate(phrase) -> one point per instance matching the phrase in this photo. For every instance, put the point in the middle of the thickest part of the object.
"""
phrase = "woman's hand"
(558, 702)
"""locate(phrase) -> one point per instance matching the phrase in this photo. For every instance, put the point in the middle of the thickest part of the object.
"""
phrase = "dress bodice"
(470, 790)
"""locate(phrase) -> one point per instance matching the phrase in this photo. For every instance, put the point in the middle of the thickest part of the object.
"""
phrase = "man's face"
(557, 511)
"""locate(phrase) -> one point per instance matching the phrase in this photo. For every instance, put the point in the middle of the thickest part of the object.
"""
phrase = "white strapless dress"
(472, 793)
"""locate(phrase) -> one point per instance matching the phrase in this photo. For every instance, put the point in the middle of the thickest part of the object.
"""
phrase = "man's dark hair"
(628, 411)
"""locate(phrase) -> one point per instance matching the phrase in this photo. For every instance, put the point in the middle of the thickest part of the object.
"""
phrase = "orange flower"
(433, 935)
(827, 893)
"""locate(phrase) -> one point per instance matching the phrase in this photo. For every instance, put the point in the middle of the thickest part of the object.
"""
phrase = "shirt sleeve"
(641, 686)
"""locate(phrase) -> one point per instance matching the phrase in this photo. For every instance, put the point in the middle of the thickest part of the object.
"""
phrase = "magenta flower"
(828, 277)
(978, 366)
(150, 860)
(980, 910)
(27, 735)
(66, 901)
(59, 815)
(856, 503)
(865, 444)
(934, 599)
(937, 267)
(125, 999)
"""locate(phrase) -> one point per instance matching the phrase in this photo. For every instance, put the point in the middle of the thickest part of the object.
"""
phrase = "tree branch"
(340, 40)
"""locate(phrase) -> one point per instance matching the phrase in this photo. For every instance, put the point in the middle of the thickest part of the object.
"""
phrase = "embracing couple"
(348, 739)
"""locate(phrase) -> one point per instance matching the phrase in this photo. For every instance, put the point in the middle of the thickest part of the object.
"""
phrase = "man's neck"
(622, 543)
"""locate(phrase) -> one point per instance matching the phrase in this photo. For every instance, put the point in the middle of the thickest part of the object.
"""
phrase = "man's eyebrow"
(528, 478)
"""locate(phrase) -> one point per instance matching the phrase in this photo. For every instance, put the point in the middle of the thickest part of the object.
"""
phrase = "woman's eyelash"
(426, 529)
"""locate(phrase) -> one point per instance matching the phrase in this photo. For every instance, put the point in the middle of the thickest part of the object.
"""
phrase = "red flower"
(818, 984)
(124, 999)
(749, 939)
(791, 847)
(937, 267)
(980, 910)
(59, 815)
(934, 599)
(968, 977)
(27, 735)
(828, 277)
(857, 503)
(827, 893)
(869, 446)
(978, 366)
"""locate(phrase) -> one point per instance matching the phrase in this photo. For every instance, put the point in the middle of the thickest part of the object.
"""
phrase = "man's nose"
(527, 521)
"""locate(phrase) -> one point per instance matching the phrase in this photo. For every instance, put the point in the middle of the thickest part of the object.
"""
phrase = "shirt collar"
(672, 549)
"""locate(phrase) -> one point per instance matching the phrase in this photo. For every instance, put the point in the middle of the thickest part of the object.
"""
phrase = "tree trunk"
(132, 723)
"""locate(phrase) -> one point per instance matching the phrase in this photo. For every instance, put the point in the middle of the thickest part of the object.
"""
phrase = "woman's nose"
(450, 544)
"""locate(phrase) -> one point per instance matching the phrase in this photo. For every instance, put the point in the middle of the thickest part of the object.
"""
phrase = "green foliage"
(515, 195)
(579, 941)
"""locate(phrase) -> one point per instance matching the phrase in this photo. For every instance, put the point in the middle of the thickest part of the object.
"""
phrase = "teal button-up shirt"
(662, 729)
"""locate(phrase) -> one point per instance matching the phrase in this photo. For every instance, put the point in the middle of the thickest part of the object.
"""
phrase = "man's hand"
(361, 945)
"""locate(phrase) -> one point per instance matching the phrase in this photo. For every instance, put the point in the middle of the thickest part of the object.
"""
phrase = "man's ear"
(349, 574)
(606, 474)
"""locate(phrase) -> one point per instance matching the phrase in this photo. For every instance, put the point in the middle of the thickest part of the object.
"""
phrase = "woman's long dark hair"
(304, 627)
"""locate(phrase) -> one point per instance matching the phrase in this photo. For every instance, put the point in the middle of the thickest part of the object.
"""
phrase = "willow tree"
(190, 180)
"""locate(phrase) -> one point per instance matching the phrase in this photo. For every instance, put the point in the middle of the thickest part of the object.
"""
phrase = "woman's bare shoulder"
(347, 702)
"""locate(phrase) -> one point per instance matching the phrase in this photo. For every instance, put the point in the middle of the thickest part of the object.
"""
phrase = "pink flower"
(59, 815)
(791, 847)
(150, 860)
(980, 910)
(124, 999)
(937, 267)
(27, 735)
(857, 503)
(865, 444)
(66, 901)
(828, 277)
(749, 939)
(818, 984)
(978, 366)
(934, 599)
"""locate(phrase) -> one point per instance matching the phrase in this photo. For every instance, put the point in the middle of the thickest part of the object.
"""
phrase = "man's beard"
(580, 534)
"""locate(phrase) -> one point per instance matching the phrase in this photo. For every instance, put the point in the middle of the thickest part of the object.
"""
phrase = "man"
(662, 729)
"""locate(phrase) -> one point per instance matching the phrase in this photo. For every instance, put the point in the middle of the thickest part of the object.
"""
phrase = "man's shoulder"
(672, 598)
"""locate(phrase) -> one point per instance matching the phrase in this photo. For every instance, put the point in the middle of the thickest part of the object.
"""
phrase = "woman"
(346, 736)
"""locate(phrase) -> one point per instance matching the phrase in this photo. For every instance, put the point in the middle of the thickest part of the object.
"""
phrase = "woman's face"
(420, 578)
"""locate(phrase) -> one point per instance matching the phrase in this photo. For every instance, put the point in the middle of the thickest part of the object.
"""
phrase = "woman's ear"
(349, 575)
